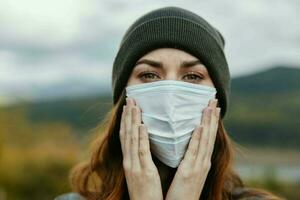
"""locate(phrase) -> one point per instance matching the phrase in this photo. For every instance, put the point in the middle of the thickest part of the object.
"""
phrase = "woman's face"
(169, 64)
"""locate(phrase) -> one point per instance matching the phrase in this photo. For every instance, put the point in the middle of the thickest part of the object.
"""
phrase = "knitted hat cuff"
(179, 33)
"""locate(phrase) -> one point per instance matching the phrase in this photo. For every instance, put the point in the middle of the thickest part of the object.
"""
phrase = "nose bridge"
(171, 74)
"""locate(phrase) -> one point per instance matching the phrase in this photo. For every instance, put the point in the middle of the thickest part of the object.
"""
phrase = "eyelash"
(142, 75)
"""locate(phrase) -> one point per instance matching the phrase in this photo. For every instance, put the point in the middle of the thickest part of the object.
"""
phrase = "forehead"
(168, 53)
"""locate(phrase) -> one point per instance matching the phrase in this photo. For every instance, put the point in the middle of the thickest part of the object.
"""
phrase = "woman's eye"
(149, 75)
(193, 77)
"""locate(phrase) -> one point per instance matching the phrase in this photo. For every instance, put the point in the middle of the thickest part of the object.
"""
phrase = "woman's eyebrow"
(149, 62)
(190, 63)
(159, 64)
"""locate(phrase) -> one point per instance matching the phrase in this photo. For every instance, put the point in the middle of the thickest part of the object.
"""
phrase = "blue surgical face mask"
(171, 110)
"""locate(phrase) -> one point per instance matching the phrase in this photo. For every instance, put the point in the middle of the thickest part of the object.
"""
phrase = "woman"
(165, 138)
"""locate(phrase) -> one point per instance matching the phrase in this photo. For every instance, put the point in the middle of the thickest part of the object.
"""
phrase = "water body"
(289, 173)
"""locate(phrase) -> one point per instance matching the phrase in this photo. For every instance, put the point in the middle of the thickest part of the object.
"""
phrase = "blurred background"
(55, 86)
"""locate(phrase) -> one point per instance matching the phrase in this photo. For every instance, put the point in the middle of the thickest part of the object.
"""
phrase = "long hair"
(102, 177)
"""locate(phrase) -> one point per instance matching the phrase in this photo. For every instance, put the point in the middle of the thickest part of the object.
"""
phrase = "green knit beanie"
(173, 27)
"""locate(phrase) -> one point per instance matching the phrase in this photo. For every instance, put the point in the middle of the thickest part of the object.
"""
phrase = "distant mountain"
(274, 80)
(264, 109)
(10, 94)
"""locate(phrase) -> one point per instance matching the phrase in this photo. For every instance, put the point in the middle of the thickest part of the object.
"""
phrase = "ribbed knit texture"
(173, 27)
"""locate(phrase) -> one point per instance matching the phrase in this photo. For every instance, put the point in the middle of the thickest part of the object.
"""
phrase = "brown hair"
(102, 177)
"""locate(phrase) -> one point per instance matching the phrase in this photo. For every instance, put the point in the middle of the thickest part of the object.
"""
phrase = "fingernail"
(218, 110)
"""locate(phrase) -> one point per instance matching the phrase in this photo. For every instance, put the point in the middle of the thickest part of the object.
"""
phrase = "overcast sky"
(71, 44)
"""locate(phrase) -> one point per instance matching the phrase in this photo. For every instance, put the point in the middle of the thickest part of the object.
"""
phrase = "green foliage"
(264, 109)
(36, 157)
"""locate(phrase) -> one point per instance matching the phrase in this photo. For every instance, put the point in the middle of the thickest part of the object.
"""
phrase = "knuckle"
(126, 165)
(134, 120)
(135, 172)
(149, 173)
(207, 166)
(122, 134)
(134, 139)
(205, 140)
(193, 152)
(197, 136)
(185, 174)
(142, 136)
(134, 126)
(195, 172)
(127, 114)
(128, 129)
(142, 152)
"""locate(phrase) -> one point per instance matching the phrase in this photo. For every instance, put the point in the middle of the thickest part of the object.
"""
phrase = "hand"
(141, 174)
(191, 174)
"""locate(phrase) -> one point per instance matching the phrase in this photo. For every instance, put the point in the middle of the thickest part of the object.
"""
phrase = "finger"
(134, 144)
(122, 131)
(194, 145)
(214, 131)
(128, 116)
(213, 103)
(205, 136)
(129, 105)
(126, 146)
(211, 133)
(128, 128)
(137, 118)
(132, 101)
(144, 148)
(192, 150)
